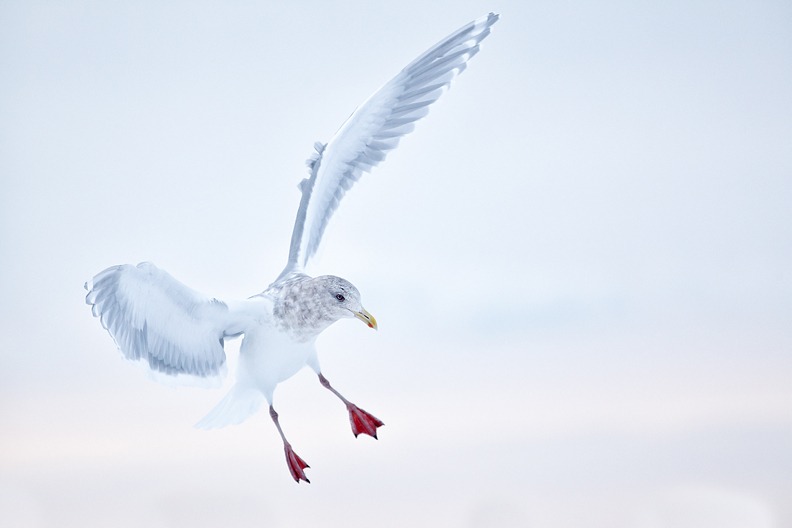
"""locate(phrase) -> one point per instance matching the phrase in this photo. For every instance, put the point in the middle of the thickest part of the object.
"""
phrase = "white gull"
(180, 332)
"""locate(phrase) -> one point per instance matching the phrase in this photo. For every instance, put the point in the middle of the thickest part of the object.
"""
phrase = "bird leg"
(361, 421)
(295, 463)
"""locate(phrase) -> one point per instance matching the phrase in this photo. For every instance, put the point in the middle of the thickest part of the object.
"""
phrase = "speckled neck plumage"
(298, 309)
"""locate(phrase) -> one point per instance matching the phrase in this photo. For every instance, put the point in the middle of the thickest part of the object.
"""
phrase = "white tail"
(235, 408)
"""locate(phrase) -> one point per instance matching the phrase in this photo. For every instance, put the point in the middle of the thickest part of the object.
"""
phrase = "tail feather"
(236, 407)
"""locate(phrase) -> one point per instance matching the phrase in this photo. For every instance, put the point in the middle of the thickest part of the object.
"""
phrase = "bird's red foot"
(363, 422)
(296, 464)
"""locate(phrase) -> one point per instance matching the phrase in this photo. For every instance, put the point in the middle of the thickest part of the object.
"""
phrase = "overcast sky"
(581, 263)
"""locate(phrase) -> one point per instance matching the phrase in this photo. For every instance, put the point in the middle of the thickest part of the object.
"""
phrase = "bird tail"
(236, 407)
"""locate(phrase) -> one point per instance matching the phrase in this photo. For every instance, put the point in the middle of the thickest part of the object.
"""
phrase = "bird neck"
(296, 309)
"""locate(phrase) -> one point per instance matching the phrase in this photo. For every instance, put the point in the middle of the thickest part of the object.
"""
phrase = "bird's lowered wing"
(374, 129)
(156, 319)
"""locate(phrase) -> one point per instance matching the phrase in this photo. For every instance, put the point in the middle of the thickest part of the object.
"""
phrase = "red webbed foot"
(363, 422)
(296, 464)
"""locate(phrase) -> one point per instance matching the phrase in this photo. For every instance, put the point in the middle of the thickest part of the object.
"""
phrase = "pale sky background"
(581, 263)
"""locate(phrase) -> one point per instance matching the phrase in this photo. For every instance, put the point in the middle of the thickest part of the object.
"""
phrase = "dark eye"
(340, 297)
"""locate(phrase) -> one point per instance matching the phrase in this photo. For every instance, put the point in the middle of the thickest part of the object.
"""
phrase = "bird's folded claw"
(363, 422)
(296, 465)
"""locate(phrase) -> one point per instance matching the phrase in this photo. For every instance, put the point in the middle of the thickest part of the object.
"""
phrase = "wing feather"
(156, 319)
(373, 130)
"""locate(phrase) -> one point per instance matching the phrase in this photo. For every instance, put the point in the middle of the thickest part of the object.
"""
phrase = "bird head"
(342, 299)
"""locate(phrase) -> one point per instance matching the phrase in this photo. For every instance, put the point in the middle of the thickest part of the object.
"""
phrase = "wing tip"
(488, 19)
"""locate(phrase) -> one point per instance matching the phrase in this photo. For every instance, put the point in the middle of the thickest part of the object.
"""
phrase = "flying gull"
(180, 332)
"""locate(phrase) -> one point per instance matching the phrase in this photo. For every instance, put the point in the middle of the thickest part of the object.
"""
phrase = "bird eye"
(340, 297)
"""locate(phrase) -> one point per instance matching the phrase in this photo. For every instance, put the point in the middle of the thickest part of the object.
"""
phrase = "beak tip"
(367, 318)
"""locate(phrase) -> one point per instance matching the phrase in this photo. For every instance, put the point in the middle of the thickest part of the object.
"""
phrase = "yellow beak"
(367, 318)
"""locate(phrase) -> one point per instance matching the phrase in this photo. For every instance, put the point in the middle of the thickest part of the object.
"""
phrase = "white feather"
(156, 319)
(375, 128)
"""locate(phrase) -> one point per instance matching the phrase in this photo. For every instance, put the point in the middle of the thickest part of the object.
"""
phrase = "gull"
(178, 332)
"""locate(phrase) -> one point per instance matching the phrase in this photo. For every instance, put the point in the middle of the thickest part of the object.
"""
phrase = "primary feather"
(154, 318)
(372, 130)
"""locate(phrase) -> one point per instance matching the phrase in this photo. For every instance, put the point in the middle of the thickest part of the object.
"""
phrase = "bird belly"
(268, 357)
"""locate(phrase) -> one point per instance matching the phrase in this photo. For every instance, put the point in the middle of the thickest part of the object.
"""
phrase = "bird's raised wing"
(154, 318)
(374, 129)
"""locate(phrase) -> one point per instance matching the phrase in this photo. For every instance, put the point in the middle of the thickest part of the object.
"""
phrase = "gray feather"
(373, 130)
